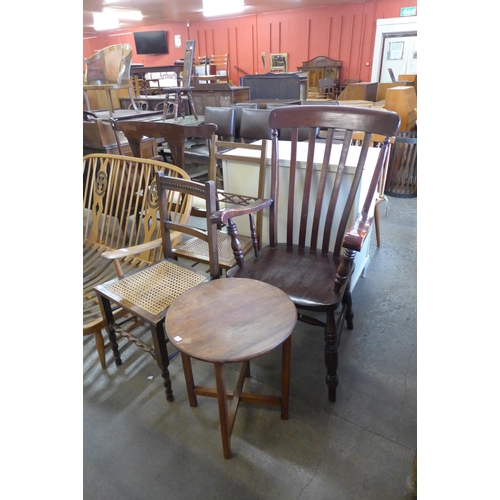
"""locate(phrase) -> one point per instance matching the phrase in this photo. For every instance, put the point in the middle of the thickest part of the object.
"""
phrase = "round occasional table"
(231, 320)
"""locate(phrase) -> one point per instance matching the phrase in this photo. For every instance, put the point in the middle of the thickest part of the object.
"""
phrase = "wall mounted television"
(151, 42)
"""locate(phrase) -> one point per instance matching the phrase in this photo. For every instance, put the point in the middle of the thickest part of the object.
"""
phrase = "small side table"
(231, 320)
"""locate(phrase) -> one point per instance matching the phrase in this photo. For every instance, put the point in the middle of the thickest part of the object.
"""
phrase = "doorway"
(400, 55)
(400, 29)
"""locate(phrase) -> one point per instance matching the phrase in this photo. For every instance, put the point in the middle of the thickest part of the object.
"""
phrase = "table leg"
(286, 350)
(188, 375)
(223, 412)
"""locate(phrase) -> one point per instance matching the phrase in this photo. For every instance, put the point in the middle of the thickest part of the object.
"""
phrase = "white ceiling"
(167, 11)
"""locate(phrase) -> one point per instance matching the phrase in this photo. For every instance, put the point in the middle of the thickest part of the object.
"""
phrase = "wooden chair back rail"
(377, 141)
(120, 211)
(229, 198)
(347, 123)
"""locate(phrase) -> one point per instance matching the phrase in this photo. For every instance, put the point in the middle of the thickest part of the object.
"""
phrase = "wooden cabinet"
(218, 94)
(403, 100)
(320, 67)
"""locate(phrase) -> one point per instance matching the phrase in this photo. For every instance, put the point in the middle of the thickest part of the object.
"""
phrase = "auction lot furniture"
(109, 69)
(311, 250)
(119, 213)
(262, 319)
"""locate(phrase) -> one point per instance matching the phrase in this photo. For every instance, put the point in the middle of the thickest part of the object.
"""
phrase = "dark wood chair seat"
(305, 276)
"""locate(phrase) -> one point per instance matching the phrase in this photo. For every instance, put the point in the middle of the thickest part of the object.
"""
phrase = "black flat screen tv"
(151, 42)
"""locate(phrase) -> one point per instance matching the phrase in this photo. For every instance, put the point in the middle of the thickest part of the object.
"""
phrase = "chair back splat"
(316, 186)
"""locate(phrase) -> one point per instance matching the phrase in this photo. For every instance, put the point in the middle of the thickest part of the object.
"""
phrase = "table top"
(229, 320)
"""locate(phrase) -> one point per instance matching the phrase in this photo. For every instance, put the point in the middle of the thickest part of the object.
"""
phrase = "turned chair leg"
(101, 350)
(377, 224)
(331, 355)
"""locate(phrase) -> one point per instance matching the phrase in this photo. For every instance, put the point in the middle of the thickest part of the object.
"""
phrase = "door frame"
(389, 27)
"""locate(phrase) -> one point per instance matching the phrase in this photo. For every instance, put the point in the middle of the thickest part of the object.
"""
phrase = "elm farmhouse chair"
(109, 70)
(119, 214)
(147, 293)
(304, 257)
(174, 95)
(377, 141)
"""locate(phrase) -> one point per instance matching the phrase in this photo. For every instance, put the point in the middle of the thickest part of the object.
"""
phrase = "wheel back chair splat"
(307, 262)
(119, 215)
(147, 293)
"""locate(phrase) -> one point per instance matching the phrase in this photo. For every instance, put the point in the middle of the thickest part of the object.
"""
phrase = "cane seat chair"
(147, 293)
(196, 249)
(109, 70)
(304, 256)
(377, 141)
(175, 95)
(119, 214)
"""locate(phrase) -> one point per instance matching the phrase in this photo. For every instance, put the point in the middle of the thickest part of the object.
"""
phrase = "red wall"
(345, 32)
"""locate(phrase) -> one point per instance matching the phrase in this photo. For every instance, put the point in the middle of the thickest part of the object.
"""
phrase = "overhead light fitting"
(109, 18)
(105, 21)
(128, 15)
(213, 8)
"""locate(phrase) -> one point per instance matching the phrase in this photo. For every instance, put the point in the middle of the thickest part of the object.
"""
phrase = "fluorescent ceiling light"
(218, 7)
(129, 15)
(105, 21)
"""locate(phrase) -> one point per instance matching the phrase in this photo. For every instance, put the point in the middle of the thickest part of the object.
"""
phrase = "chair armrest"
(356, 235)
(236, 205)
(125, 252)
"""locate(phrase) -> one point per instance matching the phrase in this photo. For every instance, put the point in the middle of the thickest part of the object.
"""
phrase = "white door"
(399, 53)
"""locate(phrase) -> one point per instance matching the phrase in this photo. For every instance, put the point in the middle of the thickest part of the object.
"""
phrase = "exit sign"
(408, 11)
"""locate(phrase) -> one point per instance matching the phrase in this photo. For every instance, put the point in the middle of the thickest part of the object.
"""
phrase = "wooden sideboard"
(217, 94)
(403, 100)
(288, 86)
(320, 67)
